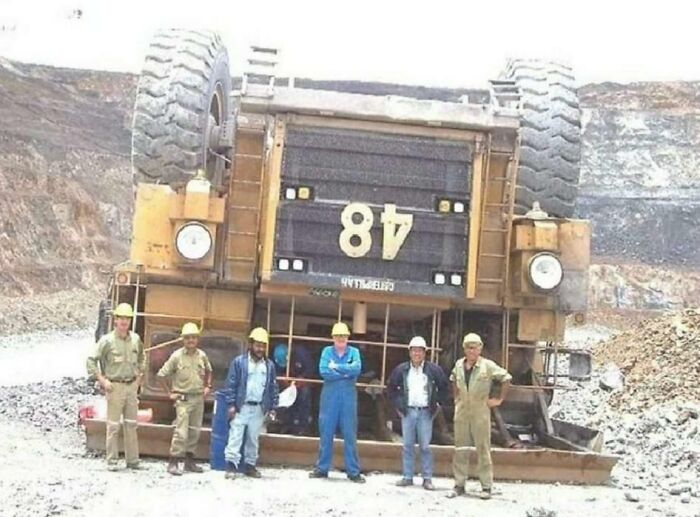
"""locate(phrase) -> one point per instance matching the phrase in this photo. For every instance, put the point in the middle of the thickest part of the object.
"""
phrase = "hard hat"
(418, 342)
(259, 334)
(472, 338)
(288, 396)
(190, 329)
(340, 329)
(279, 355)
(123, 310)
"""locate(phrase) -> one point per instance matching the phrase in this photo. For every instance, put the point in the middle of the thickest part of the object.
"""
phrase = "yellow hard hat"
(472, 338)
(259, 334)
(123, 310)
(190, 329)
(340, 329)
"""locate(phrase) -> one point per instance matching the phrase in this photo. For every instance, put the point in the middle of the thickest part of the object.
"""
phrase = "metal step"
(539, 464)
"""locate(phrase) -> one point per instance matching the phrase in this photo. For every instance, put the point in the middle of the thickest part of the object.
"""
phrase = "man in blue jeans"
(340, 366)
(251, 394)
(416, 388)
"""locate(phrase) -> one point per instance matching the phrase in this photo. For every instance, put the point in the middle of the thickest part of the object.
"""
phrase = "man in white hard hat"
(252, 394)
(118, 363)
(416, 390)
(473, 376)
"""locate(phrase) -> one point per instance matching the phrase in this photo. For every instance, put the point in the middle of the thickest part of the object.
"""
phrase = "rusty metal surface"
(546, 465)
(383, 108)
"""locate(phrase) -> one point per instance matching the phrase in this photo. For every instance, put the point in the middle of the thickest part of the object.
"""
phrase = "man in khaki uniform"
(472, 377)
(118, 362)
(189, 372)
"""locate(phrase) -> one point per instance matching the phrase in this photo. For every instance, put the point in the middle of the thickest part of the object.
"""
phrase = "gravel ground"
(45, 469)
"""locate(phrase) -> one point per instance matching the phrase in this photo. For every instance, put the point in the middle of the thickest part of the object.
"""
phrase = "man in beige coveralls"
(118, 363)
(189, 372)
(472, 377)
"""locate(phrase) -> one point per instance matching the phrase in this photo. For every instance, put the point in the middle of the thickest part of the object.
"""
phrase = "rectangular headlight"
(304, 193)
(283, 264)
(444, 206)
(439, 278)
(290, 193)
(298, 265)
(456, 279)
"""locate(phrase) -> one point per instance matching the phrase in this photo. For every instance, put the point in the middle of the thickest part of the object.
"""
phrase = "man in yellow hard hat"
(186, 377)
(251, 394)
(340, 366)
(118, 363)
(473, 376)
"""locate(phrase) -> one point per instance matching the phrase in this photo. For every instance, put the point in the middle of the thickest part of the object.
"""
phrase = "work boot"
(232, 471)
(134, 466)
(428, 484)
(404, 482)
(357, 478)
(252, 472)
(317, 474)
(190, 465)
(485, 493)
(174, 467)
(112, 467)
(455, 492)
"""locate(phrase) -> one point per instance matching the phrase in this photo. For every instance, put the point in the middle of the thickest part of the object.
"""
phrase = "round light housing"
(193, 241)
(545, 271)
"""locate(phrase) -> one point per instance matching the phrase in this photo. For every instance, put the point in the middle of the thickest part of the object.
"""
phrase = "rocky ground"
(45, 469)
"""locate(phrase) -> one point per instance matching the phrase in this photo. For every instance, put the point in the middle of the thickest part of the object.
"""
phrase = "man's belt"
(418, 407)
(251, 403)
(120, 381)
(187, 396)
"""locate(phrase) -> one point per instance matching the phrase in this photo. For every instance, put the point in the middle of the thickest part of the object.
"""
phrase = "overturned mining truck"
(293, 208)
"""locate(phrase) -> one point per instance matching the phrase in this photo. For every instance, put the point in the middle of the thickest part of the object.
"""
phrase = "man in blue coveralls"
(340, 366)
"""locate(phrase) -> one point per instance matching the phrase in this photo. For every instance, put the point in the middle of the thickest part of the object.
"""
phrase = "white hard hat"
(418, 341)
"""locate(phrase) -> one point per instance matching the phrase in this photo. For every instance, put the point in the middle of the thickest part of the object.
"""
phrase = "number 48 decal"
(355, 240)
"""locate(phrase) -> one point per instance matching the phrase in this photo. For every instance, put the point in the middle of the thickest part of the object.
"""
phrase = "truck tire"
(550, 137)
(182, 92)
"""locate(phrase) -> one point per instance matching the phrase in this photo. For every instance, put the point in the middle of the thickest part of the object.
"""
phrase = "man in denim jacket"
(252, 394)
(416, 388)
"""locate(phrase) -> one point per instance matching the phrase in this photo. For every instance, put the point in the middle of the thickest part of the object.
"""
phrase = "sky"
(432, 43)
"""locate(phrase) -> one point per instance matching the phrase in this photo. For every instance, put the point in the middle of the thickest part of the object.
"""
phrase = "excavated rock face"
(65, 208)
(640, 187)
(65, 179)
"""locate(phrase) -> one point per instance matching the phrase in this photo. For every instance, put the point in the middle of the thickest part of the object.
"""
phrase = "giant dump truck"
(294, 208)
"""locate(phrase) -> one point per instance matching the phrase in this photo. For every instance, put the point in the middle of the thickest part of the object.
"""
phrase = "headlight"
(193, 241)
(545, 271)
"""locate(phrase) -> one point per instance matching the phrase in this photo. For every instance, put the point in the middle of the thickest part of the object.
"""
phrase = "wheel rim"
(212, 160)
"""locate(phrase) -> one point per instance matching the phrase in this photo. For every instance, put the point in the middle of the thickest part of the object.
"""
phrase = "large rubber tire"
(550, 137)
(184, 88)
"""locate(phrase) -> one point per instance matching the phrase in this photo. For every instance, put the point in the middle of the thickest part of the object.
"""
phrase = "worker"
(416, 389)
(473, 376)
(186, 377)
(296, 419)
(340, 366)
(118, 363)
(251, 395)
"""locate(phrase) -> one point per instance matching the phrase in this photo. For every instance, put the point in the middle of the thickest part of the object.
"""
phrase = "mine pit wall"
(640, 187)
(65, 180)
